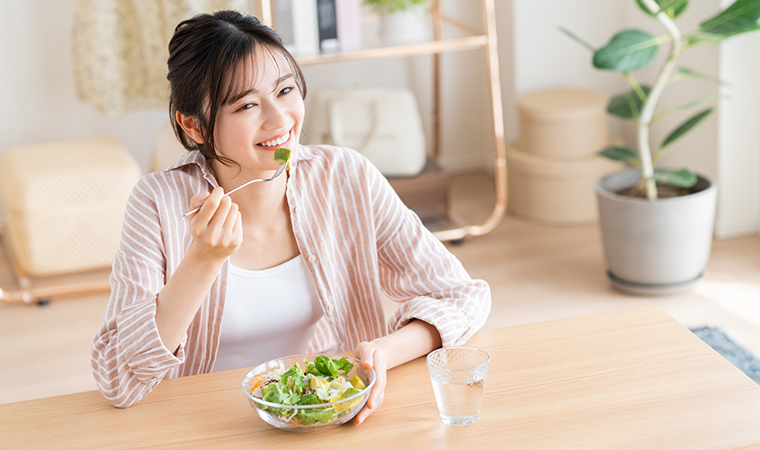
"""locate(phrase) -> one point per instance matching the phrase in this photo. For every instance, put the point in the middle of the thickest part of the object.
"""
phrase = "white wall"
(545, 58)
(739, 139)
(39, 103)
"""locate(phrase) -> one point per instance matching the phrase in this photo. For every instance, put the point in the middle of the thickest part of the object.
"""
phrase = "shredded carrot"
(259, 379)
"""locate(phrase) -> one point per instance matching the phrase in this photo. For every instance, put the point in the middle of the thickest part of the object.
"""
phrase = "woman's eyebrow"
(283, 78)
(254, 90)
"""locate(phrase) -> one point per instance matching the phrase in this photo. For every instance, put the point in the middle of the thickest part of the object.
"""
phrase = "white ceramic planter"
(655, 247)
(406, 27)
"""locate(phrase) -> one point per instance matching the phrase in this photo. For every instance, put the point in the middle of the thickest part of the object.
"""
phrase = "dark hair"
(205, 55)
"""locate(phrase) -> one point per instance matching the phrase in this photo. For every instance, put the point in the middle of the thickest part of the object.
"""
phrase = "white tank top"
(267, 314)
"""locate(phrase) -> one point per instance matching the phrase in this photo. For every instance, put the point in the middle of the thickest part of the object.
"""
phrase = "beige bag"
(382, 124)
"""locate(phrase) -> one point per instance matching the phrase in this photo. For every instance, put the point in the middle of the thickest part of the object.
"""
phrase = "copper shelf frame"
(438, 45)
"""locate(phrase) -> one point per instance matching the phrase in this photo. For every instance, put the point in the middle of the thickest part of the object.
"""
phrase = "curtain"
(119, 49)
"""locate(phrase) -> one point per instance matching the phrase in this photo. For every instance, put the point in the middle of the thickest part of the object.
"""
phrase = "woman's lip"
(289, 134)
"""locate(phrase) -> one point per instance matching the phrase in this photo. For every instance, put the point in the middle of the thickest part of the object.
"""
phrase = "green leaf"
(312, 416)
(685, 71)
(393, 5)
(577, 39)
(309, 399)
(343, 365)
(740, 17)
(293, 379)
(275, 394)
(673, 8)
(704, 38)
(684, 178)
(707, 38)
(624, 154)
(685, 127)
(628, 50)
(326, 366)
(628, 105)
(312, 369)
(699, 101)
(644, 8)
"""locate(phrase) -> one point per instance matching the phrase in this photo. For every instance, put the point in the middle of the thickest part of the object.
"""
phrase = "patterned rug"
(737, 355)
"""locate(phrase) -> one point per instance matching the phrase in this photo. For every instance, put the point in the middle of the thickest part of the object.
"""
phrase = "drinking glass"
(458, 375)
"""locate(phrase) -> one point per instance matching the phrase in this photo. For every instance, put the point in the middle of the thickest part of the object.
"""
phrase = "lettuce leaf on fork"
(281, 156)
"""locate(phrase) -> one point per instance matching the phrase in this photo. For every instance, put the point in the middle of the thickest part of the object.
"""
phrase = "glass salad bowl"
(307, 392)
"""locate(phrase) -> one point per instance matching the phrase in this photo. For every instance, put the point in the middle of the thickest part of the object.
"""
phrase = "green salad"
(321, 381)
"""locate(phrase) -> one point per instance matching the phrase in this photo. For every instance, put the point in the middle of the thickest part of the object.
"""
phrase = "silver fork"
(276, 175)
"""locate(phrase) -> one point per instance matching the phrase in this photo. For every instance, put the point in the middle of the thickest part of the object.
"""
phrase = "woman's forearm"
(415, 339)
(179, 300)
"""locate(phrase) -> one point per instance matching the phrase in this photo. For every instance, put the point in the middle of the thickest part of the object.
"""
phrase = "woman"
(289, 266)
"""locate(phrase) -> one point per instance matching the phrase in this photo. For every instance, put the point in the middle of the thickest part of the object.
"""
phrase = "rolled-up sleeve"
(419, 273)
(128, 356)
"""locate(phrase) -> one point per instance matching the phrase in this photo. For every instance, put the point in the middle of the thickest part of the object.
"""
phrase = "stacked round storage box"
(553, 166)
(64, 204)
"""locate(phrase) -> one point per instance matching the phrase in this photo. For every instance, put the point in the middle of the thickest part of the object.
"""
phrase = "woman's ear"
(190, 125)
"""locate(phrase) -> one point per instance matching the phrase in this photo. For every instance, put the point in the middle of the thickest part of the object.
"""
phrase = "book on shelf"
(328, 26)
(308, 27)
(348, 14)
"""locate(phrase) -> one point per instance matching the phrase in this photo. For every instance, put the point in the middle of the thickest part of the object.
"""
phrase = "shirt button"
(342, 347)
(329, 307)
(312, 258)
(297, 209)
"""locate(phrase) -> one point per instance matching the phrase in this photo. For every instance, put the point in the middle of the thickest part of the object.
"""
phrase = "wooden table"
(626, 379)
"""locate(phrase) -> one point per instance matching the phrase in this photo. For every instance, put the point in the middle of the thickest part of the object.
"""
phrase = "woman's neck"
(260, 204)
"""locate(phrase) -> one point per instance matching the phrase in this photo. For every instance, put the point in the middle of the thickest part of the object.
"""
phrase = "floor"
(537, 272)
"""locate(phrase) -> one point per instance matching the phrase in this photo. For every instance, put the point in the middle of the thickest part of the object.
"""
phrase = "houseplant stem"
(645, 154)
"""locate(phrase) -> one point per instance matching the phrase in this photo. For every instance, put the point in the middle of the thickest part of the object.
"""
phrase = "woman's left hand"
(415, 339)
(372, 356)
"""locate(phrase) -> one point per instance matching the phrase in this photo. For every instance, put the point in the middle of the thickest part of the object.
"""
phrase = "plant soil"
(663, 191)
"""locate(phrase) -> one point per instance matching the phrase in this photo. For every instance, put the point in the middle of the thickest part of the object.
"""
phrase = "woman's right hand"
(217, 227)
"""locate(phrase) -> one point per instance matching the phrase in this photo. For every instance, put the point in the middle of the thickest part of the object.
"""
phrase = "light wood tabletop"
(632, 378)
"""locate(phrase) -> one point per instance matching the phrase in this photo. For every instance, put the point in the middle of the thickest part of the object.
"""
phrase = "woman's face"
(266, 115)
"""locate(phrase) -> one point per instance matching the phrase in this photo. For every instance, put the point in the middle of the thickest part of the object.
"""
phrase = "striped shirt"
(359, 240)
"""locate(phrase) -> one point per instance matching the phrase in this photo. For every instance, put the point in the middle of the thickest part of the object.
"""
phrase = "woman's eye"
(247, 106)
(286, 90)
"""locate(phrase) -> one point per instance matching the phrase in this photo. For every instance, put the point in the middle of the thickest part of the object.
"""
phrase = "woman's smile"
(276, 141)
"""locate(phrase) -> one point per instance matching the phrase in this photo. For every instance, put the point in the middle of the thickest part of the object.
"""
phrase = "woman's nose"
(275, 116)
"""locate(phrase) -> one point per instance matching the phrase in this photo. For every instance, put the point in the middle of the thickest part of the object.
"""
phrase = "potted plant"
(657, 223)
(402, 21)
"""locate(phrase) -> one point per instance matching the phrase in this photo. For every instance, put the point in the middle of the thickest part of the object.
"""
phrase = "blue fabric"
(737, 355)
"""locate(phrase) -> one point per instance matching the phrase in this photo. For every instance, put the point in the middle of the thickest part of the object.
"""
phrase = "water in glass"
(459, 404)
(458, 377)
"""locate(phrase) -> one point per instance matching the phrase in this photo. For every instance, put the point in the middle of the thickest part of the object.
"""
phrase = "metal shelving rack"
(472, 40)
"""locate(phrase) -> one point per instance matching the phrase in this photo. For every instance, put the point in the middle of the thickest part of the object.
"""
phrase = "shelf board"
(421, 48)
